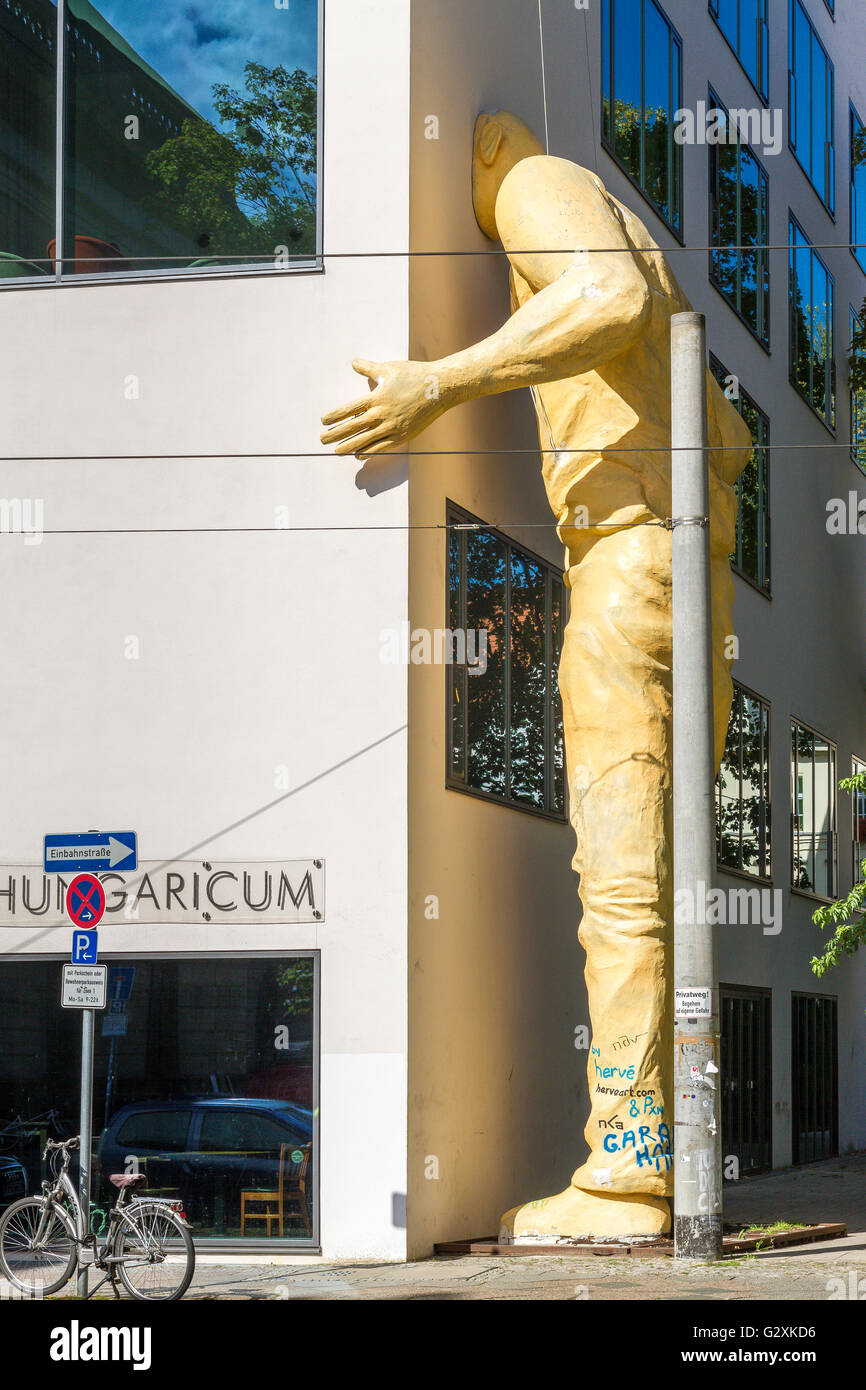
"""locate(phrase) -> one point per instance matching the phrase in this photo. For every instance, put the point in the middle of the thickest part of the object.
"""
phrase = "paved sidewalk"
(831, 1191)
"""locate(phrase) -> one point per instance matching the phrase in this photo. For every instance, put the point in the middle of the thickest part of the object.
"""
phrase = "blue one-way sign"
(84, 947)
(75, 854)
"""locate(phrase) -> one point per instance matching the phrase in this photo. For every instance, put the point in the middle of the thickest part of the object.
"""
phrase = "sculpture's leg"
(615, 677)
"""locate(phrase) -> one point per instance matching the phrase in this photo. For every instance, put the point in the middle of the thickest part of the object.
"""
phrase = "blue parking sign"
(84, 949)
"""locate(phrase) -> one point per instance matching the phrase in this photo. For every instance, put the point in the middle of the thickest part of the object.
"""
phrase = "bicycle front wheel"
(149, 1268)
(38, 1252)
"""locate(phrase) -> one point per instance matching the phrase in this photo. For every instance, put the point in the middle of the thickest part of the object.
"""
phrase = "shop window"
(190, 136)
(813, 812)
(641, 91)
(812, 363)
(739, 218)
(743, 789)
(744, 25)
(814, 1078)
(751, 554)
(810, 105)
(204, 1080)
(505, 713)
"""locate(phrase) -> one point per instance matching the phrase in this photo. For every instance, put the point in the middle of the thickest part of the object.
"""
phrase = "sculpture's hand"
(405, 397)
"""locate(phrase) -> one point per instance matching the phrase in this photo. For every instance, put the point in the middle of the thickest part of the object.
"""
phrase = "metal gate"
(747, 1078)
(814, 1077)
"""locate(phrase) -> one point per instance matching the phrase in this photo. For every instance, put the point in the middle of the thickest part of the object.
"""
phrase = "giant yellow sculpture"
(592, 299)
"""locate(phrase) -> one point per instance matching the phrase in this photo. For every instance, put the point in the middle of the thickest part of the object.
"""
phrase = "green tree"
(249, 188)
(848, 915)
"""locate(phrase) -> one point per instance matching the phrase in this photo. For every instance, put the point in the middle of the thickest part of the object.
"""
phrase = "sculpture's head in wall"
(501, 141)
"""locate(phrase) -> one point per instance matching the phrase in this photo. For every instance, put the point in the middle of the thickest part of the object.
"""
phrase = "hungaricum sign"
(186, 891)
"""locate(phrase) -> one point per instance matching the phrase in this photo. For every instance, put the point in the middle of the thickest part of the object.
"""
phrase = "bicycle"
(41, 1242)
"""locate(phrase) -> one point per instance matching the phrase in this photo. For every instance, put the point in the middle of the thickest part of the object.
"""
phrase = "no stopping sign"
(85, 900)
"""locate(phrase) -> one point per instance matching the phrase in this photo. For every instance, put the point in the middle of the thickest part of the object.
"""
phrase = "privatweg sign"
(185, 892)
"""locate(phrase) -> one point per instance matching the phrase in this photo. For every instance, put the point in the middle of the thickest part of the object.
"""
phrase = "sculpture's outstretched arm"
(586, 310)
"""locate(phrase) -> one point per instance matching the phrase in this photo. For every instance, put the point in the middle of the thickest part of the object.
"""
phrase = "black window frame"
(763, 582)
(765, 801)
(859, 253)
(794, 223)
(858, 800)
(762, 332)
(762, 50)
(857, 402)
(675, 168)
(460, 522)
(829, 180)
(833, 804)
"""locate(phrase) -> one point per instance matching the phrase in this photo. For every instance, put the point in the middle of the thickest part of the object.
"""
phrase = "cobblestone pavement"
(831, 1191)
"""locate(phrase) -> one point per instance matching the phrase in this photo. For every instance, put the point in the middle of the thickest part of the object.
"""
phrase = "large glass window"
(744, 25)
(812, 362)
(743, 789)
(505, 713)
(751, 555)
(190, 135)
(857, 397)
(813, 812)
(204, 1080)
(810, 105)
(641, 90)
(28, 121)
(739, 218)
(858, 188)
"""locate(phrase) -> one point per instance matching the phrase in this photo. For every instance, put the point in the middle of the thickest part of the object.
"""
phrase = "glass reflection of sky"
(194, 43)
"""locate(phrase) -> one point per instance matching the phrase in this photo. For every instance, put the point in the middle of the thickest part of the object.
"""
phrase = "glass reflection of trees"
(505, 722)
(812, 354)
(743, 789)
(739, 211)
(813, 812)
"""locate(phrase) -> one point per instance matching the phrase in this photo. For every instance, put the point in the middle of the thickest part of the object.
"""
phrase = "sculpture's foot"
(573, 1214)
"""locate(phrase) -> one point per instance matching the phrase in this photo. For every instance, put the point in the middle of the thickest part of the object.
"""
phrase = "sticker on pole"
(693, 1003)
(84, 986)
(85, 900)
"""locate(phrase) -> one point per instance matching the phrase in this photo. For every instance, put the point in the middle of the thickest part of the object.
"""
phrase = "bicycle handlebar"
(51, 1145)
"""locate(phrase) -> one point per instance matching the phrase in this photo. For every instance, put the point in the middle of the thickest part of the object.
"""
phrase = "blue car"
(207, 1149)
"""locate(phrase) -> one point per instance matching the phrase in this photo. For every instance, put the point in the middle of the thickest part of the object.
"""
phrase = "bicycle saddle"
(127, 1179)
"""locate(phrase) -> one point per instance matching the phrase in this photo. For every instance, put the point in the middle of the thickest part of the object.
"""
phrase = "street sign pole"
(85, 1128)
(697, 1121)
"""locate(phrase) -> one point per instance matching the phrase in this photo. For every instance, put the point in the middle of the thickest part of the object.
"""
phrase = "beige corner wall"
(496, 1088)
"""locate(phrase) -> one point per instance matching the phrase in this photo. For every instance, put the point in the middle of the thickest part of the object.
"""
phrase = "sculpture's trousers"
(615, 678)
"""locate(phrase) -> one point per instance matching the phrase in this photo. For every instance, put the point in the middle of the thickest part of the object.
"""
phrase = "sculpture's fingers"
(355, 425)
(361, 443)
(364, 367)
(344, 411)
(374, 449)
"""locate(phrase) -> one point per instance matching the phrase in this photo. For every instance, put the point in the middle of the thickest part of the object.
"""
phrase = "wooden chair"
(291, 1191)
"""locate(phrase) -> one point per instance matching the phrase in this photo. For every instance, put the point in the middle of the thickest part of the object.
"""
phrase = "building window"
(187, 1083)
(743, 789)
(858, 823)
(813, 812)
(858, 188)
(858, 399)
(812, 364)
(505, 738)
(831, 6)
(641, 90)
(747, 1077)
(810, 105)
(190, 139)
(739, 218)
(751, 556)
(744, 25)
(814, 1077)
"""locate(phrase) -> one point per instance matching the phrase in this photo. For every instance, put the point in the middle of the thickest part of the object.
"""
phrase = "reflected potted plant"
(92, 256)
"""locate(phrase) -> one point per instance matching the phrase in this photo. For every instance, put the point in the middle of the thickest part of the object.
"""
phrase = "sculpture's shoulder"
(548, 178)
